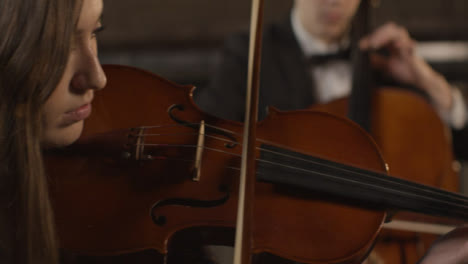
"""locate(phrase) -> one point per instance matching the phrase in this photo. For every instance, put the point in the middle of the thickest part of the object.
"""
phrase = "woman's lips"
(78, 114)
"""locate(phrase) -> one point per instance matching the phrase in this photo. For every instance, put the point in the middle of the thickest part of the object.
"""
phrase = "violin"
(150, 164)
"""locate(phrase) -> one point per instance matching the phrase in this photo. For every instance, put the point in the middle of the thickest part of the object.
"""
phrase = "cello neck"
(360, 98)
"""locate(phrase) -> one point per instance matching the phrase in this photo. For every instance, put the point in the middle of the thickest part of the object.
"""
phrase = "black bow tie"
(321, 59)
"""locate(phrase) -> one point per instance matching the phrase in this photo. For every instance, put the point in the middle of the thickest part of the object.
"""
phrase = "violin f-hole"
(161, 220)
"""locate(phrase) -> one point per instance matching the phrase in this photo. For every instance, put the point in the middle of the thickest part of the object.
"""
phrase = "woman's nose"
(98, 78)
(90, 75)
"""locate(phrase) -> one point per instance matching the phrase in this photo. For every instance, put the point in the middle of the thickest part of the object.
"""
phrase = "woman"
(49, 71)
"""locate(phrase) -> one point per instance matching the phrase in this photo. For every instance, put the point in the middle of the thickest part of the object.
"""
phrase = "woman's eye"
(97, 30)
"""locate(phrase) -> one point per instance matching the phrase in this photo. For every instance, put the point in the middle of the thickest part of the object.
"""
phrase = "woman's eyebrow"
(78, 31)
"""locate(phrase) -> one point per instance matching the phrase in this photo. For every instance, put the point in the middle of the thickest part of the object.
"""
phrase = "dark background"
(179, 39)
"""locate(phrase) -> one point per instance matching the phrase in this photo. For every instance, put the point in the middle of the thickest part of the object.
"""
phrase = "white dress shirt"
(333, 80)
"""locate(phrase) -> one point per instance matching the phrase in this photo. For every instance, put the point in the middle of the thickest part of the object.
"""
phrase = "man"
(288, 82)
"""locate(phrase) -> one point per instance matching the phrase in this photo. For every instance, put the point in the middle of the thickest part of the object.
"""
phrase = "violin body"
(120, 190)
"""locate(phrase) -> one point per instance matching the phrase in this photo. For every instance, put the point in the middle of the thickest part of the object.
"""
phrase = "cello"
(410, 134)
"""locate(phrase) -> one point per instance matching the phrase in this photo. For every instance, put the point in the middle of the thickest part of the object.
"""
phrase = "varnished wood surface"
(102, 203)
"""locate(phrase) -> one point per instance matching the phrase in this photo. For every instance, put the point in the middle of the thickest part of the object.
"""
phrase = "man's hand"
(405, 65)
(450, 249)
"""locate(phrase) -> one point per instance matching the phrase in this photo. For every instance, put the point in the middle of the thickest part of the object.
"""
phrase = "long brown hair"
(34, 48)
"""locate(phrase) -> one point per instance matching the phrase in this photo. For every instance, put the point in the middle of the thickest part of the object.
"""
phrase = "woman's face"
(327, 20)
(70, 103)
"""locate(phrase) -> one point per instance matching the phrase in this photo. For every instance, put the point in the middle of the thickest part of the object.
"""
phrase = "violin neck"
(363, 188)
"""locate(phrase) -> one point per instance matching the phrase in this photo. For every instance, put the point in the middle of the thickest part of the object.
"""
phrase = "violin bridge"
(199, 153)
(140, 144)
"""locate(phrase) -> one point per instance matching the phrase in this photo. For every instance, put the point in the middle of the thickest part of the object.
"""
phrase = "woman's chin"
(62, 136)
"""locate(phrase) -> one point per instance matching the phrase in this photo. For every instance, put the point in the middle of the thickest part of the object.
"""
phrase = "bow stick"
(243, 239)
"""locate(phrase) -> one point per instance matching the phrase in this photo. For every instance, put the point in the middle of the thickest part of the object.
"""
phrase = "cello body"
(417, 146)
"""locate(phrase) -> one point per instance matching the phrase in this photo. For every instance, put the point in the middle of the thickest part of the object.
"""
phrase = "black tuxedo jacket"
(284, 83)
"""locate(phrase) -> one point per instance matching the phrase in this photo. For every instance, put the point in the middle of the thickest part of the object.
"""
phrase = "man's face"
(327, 20)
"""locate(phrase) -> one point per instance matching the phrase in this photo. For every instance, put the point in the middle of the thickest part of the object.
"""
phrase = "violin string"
(259, 173)
(189, 146)
(427, 199)
(292, 157)
(164, 126)
(347, 180)
(230, 132)
(190, 134)
(167, 134)
(363, 184)
(383, 178)
(185, 126)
